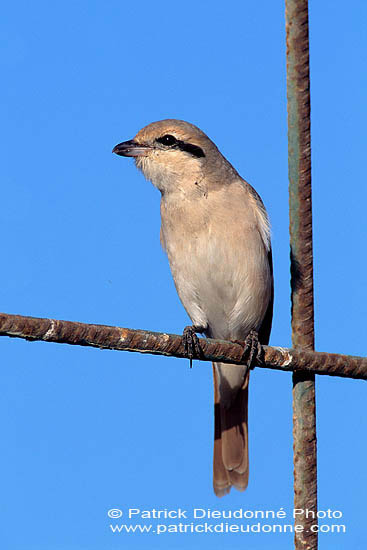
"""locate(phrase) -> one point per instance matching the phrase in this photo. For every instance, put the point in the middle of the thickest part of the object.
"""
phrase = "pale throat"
(178, 178)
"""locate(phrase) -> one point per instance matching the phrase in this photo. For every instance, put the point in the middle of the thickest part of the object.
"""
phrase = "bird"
(216, 233)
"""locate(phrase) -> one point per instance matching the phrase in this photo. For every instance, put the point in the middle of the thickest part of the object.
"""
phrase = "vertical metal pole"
(300, 206)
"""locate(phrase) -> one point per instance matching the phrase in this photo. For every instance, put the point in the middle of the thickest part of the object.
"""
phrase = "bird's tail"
(230, 464)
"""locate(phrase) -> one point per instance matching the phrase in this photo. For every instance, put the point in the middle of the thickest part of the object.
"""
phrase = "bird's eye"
(167, 140)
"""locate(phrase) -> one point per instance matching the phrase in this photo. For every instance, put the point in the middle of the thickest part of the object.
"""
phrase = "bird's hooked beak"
(130, 149)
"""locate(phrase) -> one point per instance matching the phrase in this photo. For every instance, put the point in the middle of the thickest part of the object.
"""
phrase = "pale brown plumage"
(216, 234)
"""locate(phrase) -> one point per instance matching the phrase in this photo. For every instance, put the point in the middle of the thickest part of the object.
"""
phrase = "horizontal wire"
(158, 343)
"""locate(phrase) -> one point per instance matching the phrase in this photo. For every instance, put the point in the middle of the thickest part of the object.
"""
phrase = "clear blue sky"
(82, 430)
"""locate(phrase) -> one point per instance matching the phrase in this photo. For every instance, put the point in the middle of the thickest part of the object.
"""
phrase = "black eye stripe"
(170, 141)
(192, 149)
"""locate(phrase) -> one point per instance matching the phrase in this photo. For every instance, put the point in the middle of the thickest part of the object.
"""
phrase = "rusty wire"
(300, 208)
(124, 339)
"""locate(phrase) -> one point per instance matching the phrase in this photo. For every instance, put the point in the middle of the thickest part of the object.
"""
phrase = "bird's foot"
(191, 343)
(253, 352)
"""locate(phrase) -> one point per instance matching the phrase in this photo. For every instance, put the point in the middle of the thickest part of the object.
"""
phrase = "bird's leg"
(191, 342)
(253, 352)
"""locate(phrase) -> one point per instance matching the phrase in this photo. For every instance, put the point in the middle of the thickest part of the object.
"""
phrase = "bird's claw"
(253, 352)
(191, 344)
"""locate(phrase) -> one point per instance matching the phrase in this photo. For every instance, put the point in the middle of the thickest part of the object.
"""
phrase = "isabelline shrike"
(216, 233)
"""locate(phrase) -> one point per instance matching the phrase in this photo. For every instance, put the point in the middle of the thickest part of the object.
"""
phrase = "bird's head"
(172, 153)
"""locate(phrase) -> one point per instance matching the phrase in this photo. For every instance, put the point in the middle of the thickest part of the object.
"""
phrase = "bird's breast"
(219, 264)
